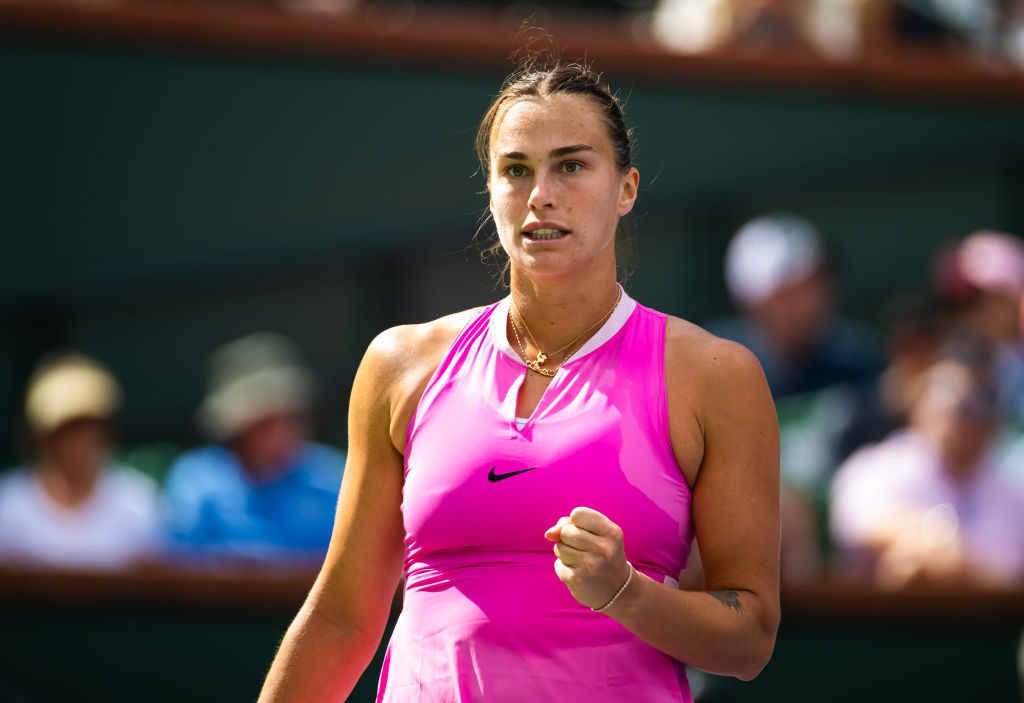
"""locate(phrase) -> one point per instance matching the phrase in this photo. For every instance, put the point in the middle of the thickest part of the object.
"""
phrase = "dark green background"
(106, 654)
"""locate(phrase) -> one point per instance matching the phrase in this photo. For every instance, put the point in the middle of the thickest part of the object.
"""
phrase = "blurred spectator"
(261, 492)
(777, 274)
(771, 24)
(972, 25)
(983, 280)
(73, 508)
(835, 28)
(701, 25)
(928, 505)
(842, 29)
(1012, 460)
(691, 26)
(1013, 32)
(915, 331)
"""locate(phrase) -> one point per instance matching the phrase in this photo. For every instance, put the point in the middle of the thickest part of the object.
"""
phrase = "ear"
(630, 189)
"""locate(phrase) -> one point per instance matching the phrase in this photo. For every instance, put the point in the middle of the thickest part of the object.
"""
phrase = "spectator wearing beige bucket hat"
(72, 507)
(261, 491)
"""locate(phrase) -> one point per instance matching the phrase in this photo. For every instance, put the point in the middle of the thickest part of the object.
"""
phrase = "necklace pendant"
(541, 357)
(535, 365)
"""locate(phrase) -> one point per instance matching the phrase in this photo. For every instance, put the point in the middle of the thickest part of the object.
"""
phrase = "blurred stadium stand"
(181, 174)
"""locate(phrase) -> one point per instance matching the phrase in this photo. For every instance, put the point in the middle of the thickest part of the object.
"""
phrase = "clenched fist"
(591, 560)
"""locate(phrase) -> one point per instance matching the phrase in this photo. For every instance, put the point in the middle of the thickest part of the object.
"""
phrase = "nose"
(542, 195)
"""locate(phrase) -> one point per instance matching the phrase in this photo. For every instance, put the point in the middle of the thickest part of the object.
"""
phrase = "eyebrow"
(555, 153)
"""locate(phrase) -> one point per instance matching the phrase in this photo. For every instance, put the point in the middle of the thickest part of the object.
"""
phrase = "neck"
(257, 465)
(558, 311)
(67, 488)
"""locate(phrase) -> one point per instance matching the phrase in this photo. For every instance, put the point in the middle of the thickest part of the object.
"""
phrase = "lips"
(544, 231)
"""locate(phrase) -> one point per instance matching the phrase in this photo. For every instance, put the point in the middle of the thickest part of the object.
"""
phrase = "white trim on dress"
(618, 318)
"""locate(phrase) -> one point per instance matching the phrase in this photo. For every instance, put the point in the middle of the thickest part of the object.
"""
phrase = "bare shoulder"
(713, 385)
(406, 346)
(708, 364)
(404, 358)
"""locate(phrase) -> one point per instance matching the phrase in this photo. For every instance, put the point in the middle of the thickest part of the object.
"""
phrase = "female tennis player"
(538, 468)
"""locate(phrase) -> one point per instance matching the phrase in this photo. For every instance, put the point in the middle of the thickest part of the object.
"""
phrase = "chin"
(550, 269)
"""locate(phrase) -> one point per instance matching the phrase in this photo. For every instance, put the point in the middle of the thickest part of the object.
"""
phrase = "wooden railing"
(285, 589)
(479, 40)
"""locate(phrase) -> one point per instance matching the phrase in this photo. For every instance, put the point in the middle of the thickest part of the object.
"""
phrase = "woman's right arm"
(339, 627)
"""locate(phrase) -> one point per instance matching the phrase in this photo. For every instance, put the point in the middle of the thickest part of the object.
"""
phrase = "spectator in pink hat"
(983, 279)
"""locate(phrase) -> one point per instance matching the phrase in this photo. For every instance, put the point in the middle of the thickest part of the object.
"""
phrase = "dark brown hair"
(544, 76)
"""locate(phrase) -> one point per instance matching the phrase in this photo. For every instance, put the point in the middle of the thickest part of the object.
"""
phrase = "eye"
(572, 166)
(515, 171)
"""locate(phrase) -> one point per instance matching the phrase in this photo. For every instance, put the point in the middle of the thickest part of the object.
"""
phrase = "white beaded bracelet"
(624, 586)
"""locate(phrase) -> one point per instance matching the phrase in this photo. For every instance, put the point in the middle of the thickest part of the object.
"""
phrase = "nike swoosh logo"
(494, 478)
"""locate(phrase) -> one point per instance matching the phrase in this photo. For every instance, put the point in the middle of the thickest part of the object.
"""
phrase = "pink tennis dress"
(485, 617)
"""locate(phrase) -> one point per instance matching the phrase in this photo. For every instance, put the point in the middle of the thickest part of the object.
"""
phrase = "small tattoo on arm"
(730, 599)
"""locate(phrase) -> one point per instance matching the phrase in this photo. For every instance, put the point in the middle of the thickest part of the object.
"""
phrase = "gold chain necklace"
(537, 364)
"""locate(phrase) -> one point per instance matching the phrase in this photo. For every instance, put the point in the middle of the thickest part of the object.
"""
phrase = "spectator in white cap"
(72, 507)
(983, 278)
(262, 491)
(778, 275)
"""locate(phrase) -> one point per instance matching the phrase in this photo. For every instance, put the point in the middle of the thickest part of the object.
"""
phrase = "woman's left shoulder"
(712, 383)
(716, 368)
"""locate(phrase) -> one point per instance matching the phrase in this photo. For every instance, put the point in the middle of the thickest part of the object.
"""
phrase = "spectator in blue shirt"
(261, 492)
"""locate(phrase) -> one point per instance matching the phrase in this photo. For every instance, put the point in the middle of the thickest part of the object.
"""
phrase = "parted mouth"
(544, 231)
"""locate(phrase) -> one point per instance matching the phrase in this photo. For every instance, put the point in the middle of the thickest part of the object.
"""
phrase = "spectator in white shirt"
(927, 505)
(72, 507)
